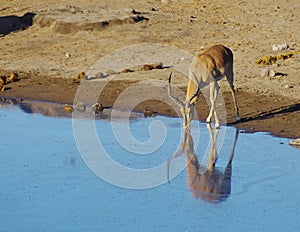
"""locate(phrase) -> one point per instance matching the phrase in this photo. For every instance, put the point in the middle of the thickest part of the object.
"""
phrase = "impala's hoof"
(217, 126)
(237, 118)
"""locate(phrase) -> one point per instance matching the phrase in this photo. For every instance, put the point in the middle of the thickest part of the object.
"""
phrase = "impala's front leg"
(188, 113)
(213, 93)
(185, 122)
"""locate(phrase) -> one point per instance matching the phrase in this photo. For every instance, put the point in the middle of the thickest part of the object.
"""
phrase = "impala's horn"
(179, 103)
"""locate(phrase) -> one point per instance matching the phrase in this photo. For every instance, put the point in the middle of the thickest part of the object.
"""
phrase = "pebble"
(97, 108)
(266, 72)
(288, 86)
(99, 75)
(68, 55)
(295, 142)
(149, 113)
(280, 47)
(81, 75)
(80, 107)
(68, 108)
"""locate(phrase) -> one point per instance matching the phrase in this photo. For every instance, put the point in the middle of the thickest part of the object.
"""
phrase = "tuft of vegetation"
(271, 59)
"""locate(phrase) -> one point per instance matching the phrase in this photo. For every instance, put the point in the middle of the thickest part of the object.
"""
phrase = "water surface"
(47, 186)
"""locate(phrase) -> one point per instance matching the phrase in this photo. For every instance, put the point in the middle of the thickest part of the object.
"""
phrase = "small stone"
(80, 75)
(68, 108)
(280, 47)
(288, 86)
(158, 65)
(89, 78)
(272, 73)
(97, 108)
(267, 72)
(12, 78)
(99, 75)
(149, 113)
(80, 107)
(295, 142)
(127, 70)
(147, 67)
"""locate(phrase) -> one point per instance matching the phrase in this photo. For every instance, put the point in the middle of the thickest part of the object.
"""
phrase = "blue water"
(47, 186)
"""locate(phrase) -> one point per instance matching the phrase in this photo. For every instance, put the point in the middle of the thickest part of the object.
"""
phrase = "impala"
(205, 181)
(206, 69)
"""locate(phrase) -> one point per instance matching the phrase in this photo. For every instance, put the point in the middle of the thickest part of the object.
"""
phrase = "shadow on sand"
(268, 114)
(13, 23)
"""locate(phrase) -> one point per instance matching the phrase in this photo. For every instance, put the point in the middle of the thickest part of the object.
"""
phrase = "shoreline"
(276, 115)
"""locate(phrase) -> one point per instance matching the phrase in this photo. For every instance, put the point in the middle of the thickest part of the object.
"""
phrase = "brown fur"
(206, 182)
(207, 68)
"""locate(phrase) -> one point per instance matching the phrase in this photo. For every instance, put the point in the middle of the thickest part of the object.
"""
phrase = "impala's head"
(187, 108)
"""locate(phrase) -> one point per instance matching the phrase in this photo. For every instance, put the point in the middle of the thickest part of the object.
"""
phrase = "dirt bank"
(277, 115)
(49, 43)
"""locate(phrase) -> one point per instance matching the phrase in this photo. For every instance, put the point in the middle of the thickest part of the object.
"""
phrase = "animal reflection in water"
(206, 182)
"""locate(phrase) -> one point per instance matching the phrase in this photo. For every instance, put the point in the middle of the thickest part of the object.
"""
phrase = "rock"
(127, 70)
(147, 67)
(295, 142)
(158, 65)
(286, 86)
(80, 107)
(98, 75)
(280, 47)
(89, 78)
(68, 108)
(80, 75)
(266, 72)
(12, 78)
(97, 108)
(272, 73)
(149, 113)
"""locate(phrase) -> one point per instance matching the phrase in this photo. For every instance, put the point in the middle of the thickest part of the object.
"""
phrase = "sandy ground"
(50, 47)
